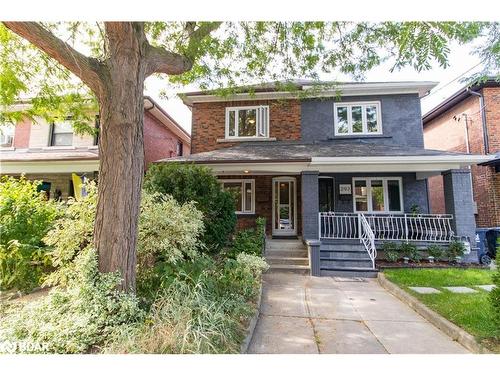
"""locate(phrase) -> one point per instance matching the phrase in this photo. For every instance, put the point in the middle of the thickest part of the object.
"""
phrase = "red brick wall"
(445, 133)
(209, 121)
(159, 142)
(264, 202)
(22, 134)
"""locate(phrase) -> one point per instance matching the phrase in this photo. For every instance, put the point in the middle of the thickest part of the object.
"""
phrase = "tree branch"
(88, 69)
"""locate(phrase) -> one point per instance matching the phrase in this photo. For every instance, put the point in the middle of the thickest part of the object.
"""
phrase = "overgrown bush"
(391, 251)
(455, 249)
(188, 183)
(410, 250)
(435, 251)
(197, 312)
(249, 241)
(26, 215)
(494, 297)
(73, 319)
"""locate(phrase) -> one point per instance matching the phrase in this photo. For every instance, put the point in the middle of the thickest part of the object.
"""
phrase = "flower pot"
(431, 259)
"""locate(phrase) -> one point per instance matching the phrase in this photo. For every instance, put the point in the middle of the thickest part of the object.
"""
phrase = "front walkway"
(303, 314)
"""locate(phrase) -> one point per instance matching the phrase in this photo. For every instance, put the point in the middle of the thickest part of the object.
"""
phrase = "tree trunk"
(121, 150)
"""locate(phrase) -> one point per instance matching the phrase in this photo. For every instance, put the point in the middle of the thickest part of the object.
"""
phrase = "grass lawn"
(472, 311)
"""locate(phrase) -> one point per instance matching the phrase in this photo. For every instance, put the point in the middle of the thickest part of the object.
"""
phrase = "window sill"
(92, 147)
(248, 139)
(244, 213)
(59, 148)
(359, 136)
(7, 149)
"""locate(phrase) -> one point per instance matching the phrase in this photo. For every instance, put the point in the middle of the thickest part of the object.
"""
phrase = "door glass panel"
(357, 119)
(377, 195)
(360, 195)
(394, 195)
(284, 210)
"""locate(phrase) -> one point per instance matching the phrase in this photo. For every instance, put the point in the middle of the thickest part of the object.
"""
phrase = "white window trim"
(386, 194)
(52, 133)
(257, 125)
(243, 181)
(363, 117)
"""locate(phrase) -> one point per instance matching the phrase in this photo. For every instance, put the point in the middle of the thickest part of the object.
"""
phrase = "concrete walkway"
(303, 314)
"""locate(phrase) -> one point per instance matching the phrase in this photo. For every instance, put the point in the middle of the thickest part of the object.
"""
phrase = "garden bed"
(382, 264)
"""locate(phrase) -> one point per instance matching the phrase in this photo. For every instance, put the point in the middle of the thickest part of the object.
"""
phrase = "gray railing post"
(359, 227)
(313, 247)
(406, 227)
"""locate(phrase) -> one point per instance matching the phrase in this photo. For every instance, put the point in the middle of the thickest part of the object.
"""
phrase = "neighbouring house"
(53, 154)
(339, 173)
(469, 122)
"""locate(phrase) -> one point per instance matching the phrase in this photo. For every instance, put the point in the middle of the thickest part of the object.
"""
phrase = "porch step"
(350, 254)
(272, 244)
(345, 263)
(301, 261)
(343, 246)
(349, 272)
(290, 268)
(287, 253)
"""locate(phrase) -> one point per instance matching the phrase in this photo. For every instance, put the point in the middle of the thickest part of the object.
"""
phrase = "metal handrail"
(367, 238)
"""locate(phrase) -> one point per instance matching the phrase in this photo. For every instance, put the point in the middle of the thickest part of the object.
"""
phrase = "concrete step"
(352, 254)
(287, 253)
(287, 260)
(287, 268)
(284, 244)
(349, 272)
(345, 263)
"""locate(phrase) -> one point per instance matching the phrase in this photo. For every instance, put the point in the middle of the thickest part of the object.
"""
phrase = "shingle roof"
(303, 151)
(48, 155)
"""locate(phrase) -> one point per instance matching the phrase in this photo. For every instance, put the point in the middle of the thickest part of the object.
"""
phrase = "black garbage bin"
(487, 241)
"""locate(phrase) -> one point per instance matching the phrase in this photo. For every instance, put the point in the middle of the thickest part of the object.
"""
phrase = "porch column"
(310, 205)
(458, 202)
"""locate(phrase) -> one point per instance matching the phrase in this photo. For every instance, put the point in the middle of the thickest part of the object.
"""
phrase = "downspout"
(483, 120)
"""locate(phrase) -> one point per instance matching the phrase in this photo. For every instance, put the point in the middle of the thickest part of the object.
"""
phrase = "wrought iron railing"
(367, 237)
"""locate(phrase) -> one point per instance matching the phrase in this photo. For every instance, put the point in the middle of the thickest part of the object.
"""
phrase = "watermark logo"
(12, 347)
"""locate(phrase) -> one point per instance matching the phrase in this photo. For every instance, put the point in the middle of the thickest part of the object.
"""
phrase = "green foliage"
(391, 251)
(250, 241)
(410, 250)
(76, 318)
(25, 218)
(203, 309)
(455, 249)
(71, 234)
(494, 298)
(186, 183)
(435, 251)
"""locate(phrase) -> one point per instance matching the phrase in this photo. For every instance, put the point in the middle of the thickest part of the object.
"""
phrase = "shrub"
(249, 241)
(494, 298)
(76, 318)
(198, 312)
(26, 216)
(188, 183)
(455, 249)
(435, 251)
(410, 250)
(391, 251)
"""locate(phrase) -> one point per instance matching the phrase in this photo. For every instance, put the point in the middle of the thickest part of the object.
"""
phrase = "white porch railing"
(387, 227)
(367, 238)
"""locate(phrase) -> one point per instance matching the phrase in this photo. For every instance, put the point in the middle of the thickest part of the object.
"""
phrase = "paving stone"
(488, 288)
(460, 289)
(424, 290)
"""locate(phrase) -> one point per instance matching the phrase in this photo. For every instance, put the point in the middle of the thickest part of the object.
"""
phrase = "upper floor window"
(61, 134)
(361, 118)
(7, 135)
(247, 122)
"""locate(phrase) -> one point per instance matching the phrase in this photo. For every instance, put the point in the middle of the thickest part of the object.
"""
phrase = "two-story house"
(469, 121)
(339, 172)
(53, 154)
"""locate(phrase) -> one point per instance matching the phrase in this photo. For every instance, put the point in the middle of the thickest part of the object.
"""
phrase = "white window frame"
(245, 210)
(363, 106)
(53, 133)
(261, 126)
(368, 181)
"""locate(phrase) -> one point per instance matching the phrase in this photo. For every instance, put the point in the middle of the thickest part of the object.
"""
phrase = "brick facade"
(447, 133)
(264, 202)
(209, 122)
(22, 133)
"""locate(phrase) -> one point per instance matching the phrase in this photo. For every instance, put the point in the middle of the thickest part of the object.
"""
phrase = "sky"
(460, 59)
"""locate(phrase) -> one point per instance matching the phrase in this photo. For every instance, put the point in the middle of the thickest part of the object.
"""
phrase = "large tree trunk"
(121, 150)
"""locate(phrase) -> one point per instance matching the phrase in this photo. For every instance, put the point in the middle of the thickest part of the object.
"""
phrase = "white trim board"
(59, 166)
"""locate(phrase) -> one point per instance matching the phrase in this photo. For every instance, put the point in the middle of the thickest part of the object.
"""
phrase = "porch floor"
(304, 314)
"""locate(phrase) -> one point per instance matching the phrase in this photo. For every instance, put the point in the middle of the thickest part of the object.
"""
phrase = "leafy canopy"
(232, 54)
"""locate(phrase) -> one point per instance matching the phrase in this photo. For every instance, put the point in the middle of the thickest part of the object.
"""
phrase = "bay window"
(378, 194)
(247, 122)
(361, 118)
(243, 192)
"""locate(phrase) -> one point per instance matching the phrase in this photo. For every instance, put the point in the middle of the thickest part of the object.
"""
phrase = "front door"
(284, 206)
